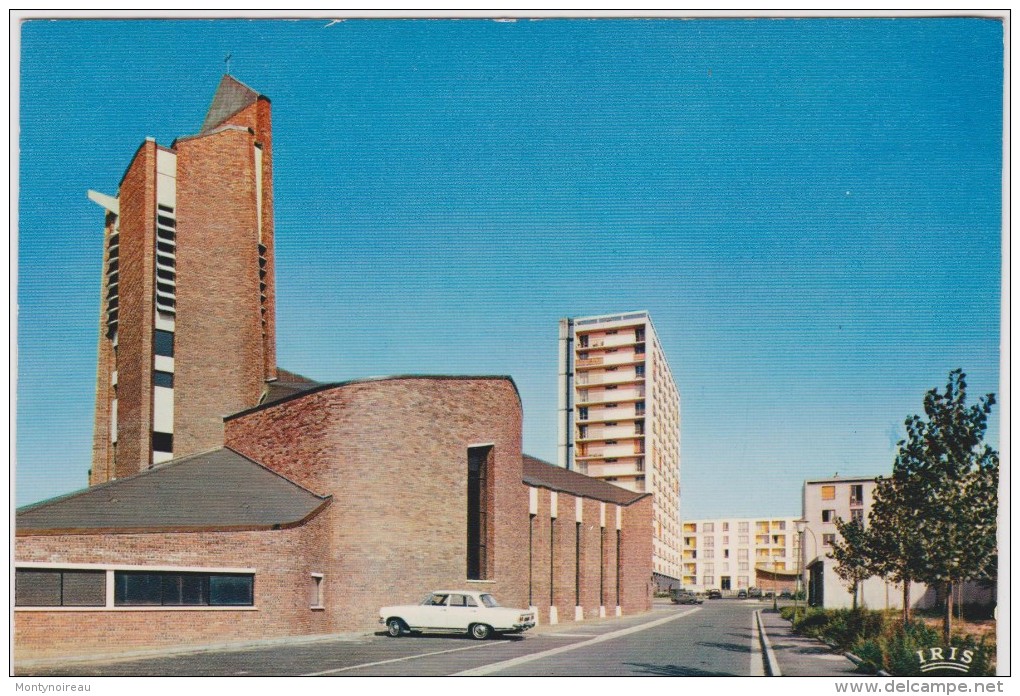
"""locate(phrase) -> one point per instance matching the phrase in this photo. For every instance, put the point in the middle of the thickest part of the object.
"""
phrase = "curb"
(858, 661)
(771, 664)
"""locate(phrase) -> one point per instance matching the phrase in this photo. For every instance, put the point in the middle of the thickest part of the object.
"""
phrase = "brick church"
(232, 500)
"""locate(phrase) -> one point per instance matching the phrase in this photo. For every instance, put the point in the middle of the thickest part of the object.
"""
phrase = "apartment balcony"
(599, 469)
(602, 416)
(587, 379)
(607, 342)
(600, 434)
(624, 450)
(619, 359)
(603, 396)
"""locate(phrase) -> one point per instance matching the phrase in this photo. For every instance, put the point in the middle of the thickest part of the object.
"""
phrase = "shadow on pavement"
(418, 635)
(674, 670)
(729, 647)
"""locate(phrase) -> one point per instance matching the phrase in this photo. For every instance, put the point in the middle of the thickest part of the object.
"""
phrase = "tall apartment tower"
(619, 417)
(187, 318)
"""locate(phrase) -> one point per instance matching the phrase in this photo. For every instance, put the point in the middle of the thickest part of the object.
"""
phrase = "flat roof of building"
(841, 479)
(215, 490)
(545, 475)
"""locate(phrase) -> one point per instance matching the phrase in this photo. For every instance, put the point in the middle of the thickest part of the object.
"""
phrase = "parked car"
(754, 593)
(768, 595)
(456, 611)
(785, 594)
(685, 597)
(741, 594)
(714, 594)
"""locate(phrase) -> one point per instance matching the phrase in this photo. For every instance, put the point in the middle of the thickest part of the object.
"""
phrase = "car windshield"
(488, 600)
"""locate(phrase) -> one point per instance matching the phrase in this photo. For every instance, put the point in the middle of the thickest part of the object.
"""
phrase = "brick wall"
(134, 350)
(102, 448)
(393, 453)
(636, 557)
(219, 350)
(283, 561)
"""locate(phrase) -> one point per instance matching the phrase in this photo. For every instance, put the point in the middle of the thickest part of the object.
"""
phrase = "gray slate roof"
(286, 384)
(545, 475)
(215, 490)
(231, 96)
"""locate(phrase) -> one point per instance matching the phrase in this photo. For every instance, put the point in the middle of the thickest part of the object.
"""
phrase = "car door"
(432, 613)
(463, 611)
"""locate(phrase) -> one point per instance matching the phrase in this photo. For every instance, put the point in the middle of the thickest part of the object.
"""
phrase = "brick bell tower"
(187, 319)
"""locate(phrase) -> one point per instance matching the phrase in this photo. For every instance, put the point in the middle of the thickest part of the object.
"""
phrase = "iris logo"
(951, 659)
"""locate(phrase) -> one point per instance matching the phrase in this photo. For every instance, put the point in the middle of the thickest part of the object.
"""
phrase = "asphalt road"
(715, 638)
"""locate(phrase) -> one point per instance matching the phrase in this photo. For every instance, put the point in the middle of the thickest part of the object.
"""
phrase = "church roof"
(542, 474)
(231, 96)
(287, 384)
(215, 490)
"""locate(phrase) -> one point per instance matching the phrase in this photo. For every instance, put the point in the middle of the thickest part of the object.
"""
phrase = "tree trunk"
(906, 603)
(947, 623)
(855, 597)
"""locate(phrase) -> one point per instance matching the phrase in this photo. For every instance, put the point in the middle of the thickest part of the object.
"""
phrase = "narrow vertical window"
(577, 564)
(164, 343)
(617, 567)
(552, 559)
(317, 596)
(479, 561)
(602, 566)
(531, 558)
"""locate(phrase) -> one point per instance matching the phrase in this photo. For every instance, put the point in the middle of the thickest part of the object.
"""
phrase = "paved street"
(712, 639)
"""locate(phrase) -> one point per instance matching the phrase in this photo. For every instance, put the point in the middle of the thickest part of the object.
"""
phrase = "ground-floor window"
(43, 587)
(141, 588)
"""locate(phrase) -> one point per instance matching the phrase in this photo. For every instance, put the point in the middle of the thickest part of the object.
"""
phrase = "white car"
(477, 613)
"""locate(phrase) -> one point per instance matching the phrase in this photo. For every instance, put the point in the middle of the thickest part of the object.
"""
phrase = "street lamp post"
(775, 594)
(802, 526)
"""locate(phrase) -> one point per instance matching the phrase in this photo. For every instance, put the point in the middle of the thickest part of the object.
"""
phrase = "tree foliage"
(853, 555)
(934, 519)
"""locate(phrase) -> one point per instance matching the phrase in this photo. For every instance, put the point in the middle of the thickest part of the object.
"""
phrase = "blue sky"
(809, 209)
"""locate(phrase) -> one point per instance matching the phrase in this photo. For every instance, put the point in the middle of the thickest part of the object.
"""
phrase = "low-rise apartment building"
(732, 554)
(825, 501)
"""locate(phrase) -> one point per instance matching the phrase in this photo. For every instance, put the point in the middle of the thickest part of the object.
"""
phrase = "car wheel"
(395, 628)
(480, 631)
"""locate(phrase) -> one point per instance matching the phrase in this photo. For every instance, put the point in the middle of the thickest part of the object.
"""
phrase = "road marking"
(570, 635)
(757, 667)
(506, 664)
(399, 659)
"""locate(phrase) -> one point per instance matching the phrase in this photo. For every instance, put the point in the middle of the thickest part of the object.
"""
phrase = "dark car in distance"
(685, 597)
(741, 594)
(714, 594)
(754, 593)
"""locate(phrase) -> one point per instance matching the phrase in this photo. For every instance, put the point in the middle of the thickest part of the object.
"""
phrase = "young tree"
(896, 531)
(853, 555)
(937, 513)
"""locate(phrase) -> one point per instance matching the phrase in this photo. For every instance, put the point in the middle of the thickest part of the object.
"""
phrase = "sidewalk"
(803, 657)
